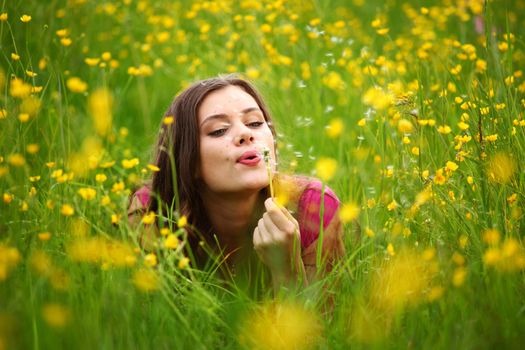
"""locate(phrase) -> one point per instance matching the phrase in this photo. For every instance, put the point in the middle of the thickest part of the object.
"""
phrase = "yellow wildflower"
(326, 168)
(25, 18)
(55, 315)
(149, 218)
(87, 193)
(171, 241)
(183, 263)
(130, 163)
(67, 210)
(146, 280)
(335, 128)
(182, 221)
(150, 260)
(76, 85)
(349, 212)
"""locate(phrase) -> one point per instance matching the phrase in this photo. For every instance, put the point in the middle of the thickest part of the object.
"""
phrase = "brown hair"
(177, 152)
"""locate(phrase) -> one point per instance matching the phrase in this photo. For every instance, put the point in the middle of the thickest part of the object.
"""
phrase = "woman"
(212, 170)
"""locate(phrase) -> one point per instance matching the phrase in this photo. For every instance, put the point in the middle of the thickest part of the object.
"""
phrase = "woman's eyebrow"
(224, 116)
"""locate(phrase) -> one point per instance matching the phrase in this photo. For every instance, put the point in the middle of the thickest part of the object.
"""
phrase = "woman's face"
(233, 136)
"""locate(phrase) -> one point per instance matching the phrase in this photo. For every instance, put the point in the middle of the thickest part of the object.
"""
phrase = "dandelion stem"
(266, 153)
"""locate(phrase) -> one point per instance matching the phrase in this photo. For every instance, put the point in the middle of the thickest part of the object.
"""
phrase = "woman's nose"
(244, 136)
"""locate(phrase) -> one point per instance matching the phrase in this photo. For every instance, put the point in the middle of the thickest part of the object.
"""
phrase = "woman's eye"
(255, 124)
(218, 132)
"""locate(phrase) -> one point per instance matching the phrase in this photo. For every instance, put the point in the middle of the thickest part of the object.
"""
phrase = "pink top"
(308, 209)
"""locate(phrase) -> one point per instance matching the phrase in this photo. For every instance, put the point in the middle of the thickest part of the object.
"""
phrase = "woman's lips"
(250, 162)
(250, 158)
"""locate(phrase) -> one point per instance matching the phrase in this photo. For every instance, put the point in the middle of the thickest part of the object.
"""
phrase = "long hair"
(177, 153)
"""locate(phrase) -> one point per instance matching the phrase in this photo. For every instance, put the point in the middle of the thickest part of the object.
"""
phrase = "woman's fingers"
(279, 218)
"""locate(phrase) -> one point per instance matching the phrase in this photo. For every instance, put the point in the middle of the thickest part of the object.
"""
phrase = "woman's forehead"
(228, 100)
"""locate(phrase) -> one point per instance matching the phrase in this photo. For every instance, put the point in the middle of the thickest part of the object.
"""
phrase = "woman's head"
(218, 124)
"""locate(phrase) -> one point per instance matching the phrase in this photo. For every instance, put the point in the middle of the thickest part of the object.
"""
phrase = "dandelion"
(14, 56)
(326, 168)
(66, 41)
(3, 17)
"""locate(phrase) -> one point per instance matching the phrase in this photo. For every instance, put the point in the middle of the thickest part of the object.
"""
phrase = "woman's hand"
(278, 244)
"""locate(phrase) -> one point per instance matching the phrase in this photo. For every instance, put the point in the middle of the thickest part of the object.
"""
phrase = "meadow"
(413, 114)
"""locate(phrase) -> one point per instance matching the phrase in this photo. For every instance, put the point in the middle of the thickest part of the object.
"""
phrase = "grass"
(413, 115)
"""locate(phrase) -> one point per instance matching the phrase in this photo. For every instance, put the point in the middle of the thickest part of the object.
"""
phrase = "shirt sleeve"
(310, 208)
